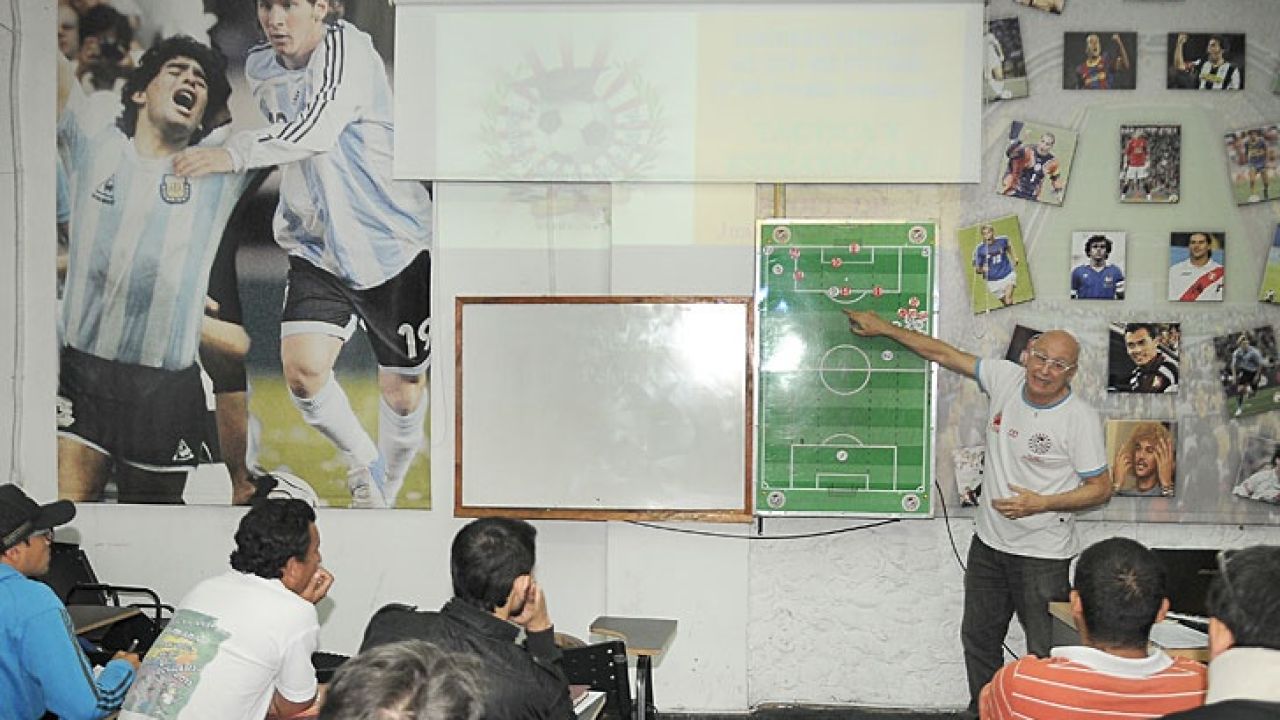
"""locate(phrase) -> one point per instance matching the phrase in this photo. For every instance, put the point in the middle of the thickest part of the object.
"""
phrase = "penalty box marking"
(844, 453)
(795, 267)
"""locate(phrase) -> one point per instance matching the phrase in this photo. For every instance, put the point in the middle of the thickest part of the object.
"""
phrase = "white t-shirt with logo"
(235, 640)
(1048, 450)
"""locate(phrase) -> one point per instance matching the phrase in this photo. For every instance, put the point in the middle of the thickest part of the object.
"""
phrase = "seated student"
(41, 665)
(240, 643)
(1244, 637)
(407, 680)
(1118, 595)
(494, 595)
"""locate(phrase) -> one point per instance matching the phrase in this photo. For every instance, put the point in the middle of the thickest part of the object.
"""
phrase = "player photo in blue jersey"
(1097, 278)
(996, 255)
(142, 239)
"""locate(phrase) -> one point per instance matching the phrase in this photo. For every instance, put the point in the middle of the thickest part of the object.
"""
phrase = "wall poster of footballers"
(1197, 265)
(1037, 162)
(1098, 60)
(1150, 163)
(1251, 163)
(1097, 265)
(182, 380)
(1142, 357)
(1143, 457)
(1247, 367)
(997, 259)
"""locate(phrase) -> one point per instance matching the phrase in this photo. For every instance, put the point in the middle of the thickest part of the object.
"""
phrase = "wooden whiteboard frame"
(739, 513)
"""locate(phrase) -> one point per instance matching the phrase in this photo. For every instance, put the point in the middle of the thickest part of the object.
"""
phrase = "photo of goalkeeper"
(1037, 153)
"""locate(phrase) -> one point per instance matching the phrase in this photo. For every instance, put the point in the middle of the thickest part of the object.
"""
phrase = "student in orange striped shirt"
(1118, 594)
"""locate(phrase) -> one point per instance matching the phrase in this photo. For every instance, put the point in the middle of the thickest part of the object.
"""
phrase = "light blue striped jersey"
(142, 242)
(331, 134)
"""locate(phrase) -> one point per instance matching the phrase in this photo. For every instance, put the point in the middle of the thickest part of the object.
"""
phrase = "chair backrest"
(603, 666)
(69, 567)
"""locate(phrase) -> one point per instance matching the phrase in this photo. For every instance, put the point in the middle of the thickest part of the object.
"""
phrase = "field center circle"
(844, 370)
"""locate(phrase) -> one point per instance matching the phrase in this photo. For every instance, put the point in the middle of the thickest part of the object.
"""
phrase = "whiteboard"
(600, 407)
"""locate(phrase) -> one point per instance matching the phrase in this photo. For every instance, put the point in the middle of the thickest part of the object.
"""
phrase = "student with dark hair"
(407, 680)
(1244, 637)
(142, 240)
(1118, 594)
(240, 643)
(494, 596)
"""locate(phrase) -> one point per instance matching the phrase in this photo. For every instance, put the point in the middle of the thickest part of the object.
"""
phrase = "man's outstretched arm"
(868, 324)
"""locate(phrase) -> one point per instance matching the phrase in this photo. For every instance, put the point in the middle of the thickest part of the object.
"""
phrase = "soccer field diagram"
(845, 422)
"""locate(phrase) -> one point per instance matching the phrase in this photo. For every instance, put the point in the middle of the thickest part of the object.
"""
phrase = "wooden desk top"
(1062, 611)
(644, 636)
(87, 618)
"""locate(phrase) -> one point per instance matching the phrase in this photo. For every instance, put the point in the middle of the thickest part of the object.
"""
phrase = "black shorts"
(148, 418)
(395, 314)
(1247, 377)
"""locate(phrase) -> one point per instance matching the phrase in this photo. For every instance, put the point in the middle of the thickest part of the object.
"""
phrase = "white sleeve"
(297, 679)
(340, 93)
(1088, 445)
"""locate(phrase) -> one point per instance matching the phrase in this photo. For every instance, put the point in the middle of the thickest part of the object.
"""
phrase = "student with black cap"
(41, 665)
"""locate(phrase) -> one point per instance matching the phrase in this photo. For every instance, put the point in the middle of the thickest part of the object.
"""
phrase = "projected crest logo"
(595, 121)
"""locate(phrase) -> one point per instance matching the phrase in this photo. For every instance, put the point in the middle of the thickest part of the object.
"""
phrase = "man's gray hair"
(407, 680)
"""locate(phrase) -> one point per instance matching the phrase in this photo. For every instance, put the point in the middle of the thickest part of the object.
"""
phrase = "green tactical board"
(845, 422)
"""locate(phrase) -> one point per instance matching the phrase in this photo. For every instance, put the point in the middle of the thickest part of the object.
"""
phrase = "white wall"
(860, 618)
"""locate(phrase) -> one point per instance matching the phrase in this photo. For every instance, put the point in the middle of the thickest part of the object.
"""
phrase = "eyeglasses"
(1054, 364)
(46, 534)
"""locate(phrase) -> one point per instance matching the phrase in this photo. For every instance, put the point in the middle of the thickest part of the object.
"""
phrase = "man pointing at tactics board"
(1045, 460)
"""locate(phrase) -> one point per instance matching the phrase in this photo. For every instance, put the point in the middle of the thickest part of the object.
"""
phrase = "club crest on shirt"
(1039, 443)
(175, 189)
(995, 423)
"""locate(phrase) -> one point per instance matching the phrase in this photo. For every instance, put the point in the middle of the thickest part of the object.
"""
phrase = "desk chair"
(603, 667)
(646, 639)
(72, 579)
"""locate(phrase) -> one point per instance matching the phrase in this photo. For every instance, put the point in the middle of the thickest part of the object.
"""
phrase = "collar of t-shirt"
(1245, 673)
(1102, 661)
